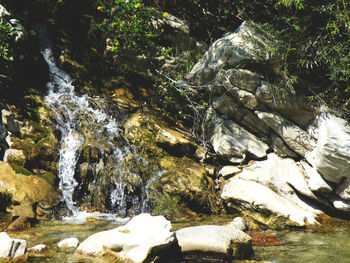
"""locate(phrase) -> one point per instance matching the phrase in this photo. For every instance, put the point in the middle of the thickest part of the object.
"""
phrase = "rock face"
(143, 238)
(232, 49)
(232, 142)
(10, 247)
(228, 240)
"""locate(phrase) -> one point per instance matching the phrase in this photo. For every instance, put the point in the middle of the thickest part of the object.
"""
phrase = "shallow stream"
(320, 245)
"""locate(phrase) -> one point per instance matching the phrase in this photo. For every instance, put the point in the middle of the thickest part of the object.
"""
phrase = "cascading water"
(77, 119)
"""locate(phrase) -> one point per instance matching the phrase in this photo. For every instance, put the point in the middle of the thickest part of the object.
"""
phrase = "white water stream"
(71, 112)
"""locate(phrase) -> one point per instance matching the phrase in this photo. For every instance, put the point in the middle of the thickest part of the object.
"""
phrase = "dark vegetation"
(106, 38)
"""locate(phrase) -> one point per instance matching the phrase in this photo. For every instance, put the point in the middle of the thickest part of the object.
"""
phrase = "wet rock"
(14, 156)
(342, 205)
(10, 122)
(229, 50)
(24, 188)
(175, 143)
(232, 142)
(38, 249)
(331, 157)
(227, 240)
(68, 243)
(11, 248)
(19, 224)
(297, 108)
(295, 137)
(187, 179)
(143, 239)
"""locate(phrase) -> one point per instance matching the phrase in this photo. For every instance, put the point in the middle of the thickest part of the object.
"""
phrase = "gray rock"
(244, 79)
(280, 147)
(244, 44)
(15, 156)
(227, 240)
(11, 247)
(142, 236)
(295, 137)
(331, 157)
(297, 108)
(233, 142)
(66, 243)
(229, 170)
(248, 99)
(38, 249)
(229, 107)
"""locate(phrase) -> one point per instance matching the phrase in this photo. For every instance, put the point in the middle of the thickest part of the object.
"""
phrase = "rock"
(331, 157)
(229, 170)
(273, 210)
(297, 108)
(227, 240)
(143, 238)
(246, 98)
(295, 137)
(38, 249)
(67, 243)
(11, 123)
(232, 142)
(342, 205)
(24, 188)
(10, 247)
(229, 107)
(175, 143)
(240, 222)
(343, 190)
(281, 148)
(19, 224)
(244, 79)
(315, 181)
(234, 48)
(187, 179)
(3, 12)
(14, 156)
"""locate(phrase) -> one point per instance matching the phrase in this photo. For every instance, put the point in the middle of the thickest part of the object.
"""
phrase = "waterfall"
(77, 118)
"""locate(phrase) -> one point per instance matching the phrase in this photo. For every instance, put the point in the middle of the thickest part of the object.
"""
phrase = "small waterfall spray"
(71, 112)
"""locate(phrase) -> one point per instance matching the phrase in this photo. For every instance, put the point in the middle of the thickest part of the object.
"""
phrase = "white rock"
(219, 239)
(229, 50)
(240, 222)
(315, 181)
(136, 240)
(71, 242)
(259, 197)
(331, 157)
(341, 205)
(232, 142)
(229, 170)
(10, 247)
(295, 137)
(3, 12)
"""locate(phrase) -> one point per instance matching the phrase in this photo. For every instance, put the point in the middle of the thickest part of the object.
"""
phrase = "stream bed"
(329, 243)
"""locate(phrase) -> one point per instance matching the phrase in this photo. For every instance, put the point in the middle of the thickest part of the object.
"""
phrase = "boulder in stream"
(11, 247)
(143, 239)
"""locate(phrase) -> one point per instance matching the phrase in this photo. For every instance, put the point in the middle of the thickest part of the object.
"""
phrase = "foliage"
(127, 25)
(5, 37)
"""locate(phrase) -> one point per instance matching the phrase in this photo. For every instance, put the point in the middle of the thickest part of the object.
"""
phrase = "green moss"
(169, 206)
(21, 170)
(50, 178)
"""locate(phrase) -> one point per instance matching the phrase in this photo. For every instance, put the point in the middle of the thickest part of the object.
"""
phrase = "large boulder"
(227, 240)
(11, 248)
(232, 142)
(142, 239)
(296, 107)
(269, 189)
(331, 157)
(234, 48)
(26, 188)
(296, 138)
